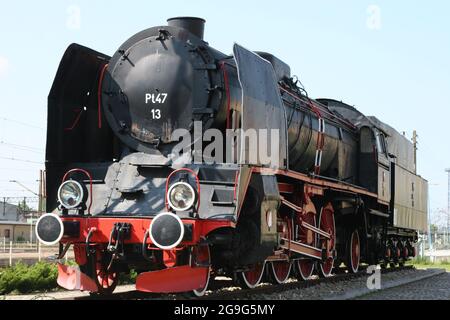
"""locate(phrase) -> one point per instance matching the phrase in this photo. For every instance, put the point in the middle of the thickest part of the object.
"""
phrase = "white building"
(13, 225)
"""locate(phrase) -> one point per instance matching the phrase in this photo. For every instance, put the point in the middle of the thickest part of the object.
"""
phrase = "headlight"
(49, 229)
(70, 194)
(166, 230)
(181, 196)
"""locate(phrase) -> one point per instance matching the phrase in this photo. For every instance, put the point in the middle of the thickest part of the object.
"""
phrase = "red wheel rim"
(305, 267)
(202, 256)
(106, 280)
(326, 223)
(253, 276)
(280, 271)
(355, 252)
(405, 252)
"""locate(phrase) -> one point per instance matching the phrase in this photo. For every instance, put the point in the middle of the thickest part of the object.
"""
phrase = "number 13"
(156, 113)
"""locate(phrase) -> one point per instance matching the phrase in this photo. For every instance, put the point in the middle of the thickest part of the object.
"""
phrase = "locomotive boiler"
(342, 187)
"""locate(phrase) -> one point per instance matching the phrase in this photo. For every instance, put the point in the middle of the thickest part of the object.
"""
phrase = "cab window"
(381, 143)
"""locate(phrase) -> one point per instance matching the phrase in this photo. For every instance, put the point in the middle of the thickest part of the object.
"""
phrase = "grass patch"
(128, 278)
(22, 278)
(40, 277)
(425, 262)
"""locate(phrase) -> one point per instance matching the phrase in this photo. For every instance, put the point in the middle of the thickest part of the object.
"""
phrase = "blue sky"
(394, 65)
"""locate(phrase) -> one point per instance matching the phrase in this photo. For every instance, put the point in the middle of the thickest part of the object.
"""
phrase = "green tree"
(434, 228)
(434, 231)
(23, 206)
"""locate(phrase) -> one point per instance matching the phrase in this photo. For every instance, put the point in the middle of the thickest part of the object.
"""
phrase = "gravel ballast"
(349, 289)
(435, 281)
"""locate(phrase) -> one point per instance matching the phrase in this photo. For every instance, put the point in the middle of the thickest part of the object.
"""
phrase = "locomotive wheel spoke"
(403, 256)
(353, 252)
(106, 280)
(280, 271)
(305, 267)
(252, 277)
(202, 256)
(327, 224)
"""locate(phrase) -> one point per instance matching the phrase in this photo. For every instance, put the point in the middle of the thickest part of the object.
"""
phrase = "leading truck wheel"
(202, 256)
(353, 252)
(105, 279)
(327, 224)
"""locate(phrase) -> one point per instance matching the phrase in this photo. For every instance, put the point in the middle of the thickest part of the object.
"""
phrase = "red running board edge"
(71, 278)
(171, 280)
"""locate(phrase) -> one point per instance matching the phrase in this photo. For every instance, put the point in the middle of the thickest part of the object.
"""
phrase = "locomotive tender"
(343, 190)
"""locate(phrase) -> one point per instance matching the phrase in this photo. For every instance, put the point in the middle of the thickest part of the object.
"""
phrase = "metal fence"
(436, 248)
(27, 252)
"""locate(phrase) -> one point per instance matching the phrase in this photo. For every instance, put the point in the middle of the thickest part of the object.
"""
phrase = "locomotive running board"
(71, 278)
(171, 280)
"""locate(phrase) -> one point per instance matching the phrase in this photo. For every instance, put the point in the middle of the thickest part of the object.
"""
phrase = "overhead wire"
(21, 147)
(21, 123)
(21, 160)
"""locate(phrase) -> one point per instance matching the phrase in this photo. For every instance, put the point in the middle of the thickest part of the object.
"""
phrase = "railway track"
(269, 288)
(221, 288)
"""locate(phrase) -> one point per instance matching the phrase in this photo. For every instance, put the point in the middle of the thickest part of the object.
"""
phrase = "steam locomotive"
(342, 187)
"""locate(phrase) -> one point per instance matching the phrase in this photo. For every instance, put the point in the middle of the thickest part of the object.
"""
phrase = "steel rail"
(264, 288)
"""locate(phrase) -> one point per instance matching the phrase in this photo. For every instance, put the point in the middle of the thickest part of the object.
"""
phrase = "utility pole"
(448, 201)
(414, 140)
(430, 243)
(40, 205)
(30, 212)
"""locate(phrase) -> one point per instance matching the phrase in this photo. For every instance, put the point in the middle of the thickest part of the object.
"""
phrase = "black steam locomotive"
(340, 187)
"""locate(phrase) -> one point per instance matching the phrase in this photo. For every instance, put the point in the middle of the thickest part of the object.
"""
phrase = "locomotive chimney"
(194, 25)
